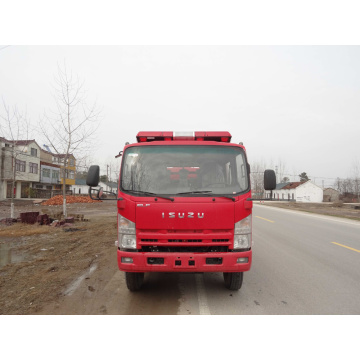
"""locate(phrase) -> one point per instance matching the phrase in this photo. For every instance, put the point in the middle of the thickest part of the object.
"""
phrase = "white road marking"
(201, 294)
(322, 217)
(76, 283)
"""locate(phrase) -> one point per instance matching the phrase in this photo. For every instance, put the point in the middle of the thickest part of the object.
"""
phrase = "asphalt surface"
(302, 264)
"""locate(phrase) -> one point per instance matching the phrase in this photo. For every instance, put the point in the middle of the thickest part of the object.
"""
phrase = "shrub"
(338, 204)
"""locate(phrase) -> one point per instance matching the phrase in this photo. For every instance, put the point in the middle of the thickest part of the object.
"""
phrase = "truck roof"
(147, 136)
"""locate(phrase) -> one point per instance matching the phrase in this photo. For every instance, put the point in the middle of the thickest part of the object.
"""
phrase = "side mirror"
(269, 180)
(93, 176)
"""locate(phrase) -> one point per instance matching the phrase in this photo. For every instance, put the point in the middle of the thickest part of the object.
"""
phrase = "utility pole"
(110, 179)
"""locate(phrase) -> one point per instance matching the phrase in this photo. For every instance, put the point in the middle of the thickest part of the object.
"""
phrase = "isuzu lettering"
(184, 205)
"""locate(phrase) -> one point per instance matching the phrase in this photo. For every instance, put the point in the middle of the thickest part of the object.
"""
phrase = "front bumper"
(184, 262)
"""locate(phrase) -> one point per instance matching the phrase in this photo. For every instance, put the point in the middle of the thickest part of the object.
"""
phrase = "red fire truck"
(184, 205)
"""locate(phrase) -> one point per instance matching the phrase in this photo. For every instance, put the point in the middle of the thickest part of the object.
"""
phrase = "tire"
(134, 281)
(233, 281)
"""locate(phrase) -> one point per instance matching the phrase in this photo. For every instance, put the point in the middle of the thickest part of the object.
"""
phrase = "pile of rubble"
(70, 199)
(44, 219)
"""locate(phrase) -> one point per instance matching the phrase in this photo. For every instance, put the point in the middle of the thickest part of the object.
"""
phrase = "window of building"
(37, 186)
(71, 174)
(71, 162)
(55, 174)
(20, 165)
(46, 173)
(33, 168)
(293, 197)
(33, 152)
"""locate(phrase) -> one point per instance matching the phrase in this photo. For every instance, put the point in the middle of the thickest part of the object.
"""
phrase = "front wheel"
(134, 281)
(233, 281)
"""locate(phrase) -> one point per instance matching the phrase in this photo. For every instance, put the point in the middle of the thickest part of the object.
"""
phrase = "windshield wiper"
(140, 192)
(205, 192)
(194, 192)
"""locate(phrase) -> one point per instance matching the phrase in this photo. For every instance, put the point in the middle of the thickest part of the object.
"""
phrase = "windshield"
(184, 170)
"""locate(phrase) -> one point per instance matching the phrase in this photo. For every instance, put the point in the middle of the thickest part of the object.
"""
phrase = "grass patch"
(17, 230)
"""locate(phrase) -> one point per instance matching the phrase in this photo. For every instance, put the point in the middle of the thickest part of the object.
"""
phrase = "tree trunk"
(64, 190)
(12, 211)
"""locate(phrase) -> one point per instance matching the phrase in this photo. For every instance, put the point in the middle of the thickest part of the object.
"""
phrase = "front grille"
(181, 240)
(185, 249)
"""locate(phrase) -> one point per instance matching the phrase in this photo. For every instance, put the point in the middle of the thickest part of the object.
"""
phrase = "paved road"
(302, 264)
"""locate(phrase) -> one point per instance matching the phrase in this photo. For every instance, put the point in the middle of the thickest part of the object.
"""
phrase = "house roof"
(331, 189)
(111, 184)
(293, 185)
(46, 152)
(281, 185)
(20, 142)
(63, 155)
(80, 182)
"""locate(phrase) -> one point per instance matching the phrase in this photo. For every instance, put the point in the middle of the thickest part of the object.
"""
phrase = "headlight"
(126, 233)
(242, 234)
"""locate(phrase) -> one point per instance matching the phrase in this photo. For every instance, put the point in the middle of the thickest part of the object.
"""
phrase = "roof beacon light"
(184, 135)
(148, 136)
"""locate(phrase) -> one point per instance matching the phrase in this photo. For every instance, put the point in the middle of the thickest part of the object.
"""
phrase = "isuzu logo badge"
(182, 215)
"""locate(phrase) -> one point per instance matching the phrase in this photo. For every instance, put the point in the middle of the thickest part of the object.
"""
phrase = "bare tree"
(356, 180)
(69, 129)
(257, 178)
(281, 166)
(337, 184)
(14, 127)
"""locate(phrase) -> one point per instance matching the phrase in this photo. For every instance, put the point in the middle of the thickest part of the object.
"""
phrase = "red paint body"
(188, 223)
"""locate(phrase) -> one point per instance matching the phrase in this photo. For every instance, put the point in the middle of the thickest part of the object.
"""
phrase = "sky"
(292, 106)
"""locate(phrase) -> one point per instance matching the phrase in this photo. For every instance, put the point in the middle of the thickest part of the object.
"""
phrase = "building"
(49, 183)
(331, 195)
(69, 168)
(80, 187)
(19, 159)
(297, 191)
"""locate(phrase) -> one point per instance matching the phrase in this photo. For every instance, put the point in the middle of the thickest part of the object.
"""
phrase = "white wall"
(309, 192)
(85, 189)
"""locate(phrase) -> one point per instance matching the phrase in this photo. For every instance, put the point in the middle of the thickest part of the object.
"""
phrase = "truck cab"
(183, 206)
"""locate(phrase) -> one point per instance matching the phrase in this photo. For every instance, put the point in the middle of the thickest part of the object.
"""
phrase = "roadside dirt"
(347, 211)
(37, 263)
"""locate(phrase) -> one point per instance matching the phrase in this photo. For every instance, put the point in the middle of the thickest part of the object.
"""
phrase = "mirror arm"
(90, 189)
(98, 199)
(252, 199)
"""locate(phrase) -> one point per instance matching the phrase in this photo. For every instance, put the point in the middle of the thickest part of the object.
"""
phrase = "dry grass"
(17, 230)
